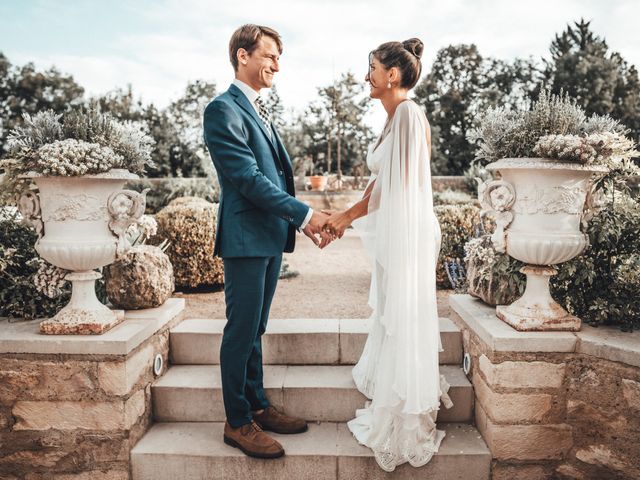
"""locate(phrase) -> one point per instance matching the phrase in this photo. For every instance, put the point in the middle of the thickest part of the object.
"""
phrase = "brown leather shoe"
(252, 441)
(272, 420)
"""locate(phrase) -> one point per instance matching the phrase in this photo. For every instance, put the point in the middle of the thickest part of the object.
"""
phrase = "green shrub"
(19, 265)
(492, 276)
(601, 286)
(163, 191)
(452, 197)
(457, 224)
(189, 224)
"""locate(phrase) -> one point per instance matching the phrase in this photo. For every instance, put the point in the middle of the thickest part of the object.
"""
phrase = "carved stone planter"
(81, 223)
(539, 206)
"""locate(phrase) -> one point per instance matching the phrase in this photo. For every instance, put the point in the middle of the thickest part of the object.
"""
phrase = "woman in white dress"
(399, 370)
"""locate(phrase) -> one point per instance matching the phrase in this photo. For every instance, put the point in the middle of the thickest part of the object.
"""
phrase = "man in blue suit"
(257, 222)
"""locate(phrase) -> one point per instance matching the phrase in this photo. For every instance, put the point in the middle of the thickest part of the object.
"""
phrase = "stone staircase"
(308, 374)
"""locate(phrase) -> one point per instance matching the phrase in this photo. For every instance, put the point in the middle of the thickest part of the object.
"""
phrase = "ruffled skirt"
(398, 424)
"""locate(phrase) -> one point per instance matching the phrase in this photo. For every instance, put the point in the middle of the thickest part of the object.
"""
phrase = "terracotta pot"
(318, 182)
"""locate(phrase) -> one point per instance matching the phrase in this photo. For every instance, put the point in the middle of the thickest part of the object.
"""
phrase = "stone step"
(327, 451)
(193, 393)
(305, 341)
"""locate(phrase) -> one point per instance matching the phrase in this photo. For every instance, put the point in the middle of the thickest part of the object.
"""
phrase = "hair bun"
(414, 46)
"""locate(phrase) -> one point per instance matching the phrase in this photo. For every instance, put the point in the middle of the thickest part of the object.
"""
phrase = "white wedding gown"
(399, 368)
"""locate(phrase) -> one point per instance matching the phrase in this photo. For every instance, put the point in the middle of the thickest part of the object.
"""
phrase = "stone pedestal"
(559, 405)
(536, 310)
(73, 406)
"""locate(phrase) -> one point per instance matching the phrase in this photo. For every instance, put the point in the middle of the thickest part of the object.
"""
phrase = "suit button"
(280, 173)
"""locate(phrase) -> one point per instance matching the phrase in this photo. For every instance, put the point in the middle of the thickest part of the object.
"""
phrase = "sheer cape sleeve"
(402, 237)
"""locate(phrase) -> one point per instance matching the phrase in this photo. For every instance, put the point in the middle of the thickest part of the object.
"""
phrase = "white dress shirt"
(252, 96)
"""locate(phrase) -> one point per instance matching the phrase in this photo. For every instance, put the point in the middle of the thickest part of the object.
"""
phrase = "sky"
(159, 46)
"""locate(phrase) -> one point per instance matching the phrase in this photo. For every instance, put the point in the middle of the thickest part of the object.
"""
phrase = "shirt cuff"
(306, 219)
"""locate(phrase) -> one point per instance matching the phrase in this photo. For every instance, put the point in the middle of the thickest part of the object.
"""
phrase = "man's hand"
(318, 220)
(324, 240)
(310, 232)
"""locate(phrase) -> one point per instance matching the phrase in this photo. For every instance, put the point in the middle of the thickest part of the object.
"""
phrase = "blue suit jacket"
(258, 213)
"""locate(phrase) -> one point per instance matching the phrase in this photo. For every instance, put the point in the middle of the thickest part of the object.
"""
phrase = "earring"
(388, 84)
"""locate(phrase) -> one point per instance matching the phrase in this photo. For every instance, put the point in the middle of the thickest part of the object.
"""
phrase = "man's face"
(263, 63)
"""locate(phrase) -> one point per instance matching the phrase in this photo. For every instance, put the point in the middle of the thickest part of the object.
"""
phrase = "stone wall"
(548, 404)
(77, 414)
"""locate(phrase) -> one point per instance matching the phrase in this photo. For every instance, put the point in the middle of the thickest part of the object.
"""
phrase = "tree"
(179, 150)
(274, 104)
(333, 126)
(601, 81)
(120, 103)
(461, 84)
(186, 115)
(27, 90)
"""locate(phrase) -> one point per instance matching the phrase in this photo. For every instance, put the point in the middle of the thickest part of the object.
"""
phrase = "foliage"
(274, 104)
(177, 130)
(286, 272)
(492, 276)
(75, 143)
(601, 81)
(452, 197)
(504, 133)
(189, 156)
(556, 127)
(25, 90)
(457, 224)
(601, 286)
(189, 224)
(20, 265)
(475, 171)
(333, 128)
(461, 84)
(163, 191)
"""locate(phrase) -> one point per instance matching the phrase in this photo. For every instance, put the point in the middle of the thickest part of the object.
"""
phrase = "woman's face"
(377, 77)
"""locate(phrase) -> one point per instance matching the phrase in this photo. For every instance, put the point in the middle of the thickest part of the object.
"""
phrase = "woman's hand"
(337, 223)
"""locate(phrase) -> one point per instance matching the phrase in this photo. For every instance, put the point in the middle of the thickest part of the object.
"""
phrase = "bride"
(398, 370)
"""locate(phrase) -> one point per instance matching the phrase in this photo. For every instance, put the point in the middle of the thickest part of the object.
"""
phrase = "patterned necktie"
(263, 113)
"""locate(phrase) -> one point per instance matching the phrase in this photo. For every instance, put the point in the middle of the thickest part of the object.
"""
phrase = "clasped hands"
(327, 226)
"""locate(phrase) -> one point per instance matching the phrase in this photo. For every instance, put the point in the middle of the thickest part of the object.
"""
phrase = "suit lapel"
(245, 104)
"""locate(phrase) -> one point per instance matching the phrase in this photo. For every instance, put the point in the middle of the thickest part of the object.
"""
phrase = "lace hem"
(399, 438)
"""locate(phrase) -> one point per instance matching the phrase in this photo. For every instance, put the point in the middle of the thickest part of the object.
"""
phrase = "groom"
(257, 222)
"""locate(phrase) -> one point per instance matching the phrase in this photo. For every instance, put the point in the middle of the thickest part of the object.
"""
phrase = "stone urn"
(318, 182)
(539, 206)
(81, 223)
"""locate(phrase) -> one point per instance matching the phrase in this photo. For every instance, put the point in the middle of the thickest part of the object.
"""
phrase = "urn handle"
(126, 208)
(29, 207)
(496, 199)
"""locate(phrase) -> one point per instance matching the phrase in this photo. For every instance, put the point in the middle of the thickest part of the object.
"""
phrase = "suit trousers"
(250, 283)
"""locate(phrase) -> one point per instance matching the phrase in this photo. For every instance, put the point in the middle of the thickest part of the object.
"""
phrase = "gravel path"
(332, 283)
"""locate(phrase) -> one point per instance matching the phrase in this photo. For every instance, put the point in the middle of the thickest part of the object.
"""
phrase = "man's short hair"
(247, 37)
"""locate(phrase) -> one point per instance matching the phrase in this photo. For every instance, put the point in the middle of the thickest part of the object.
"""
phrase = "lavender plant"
(554, 127)
(76, 143)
